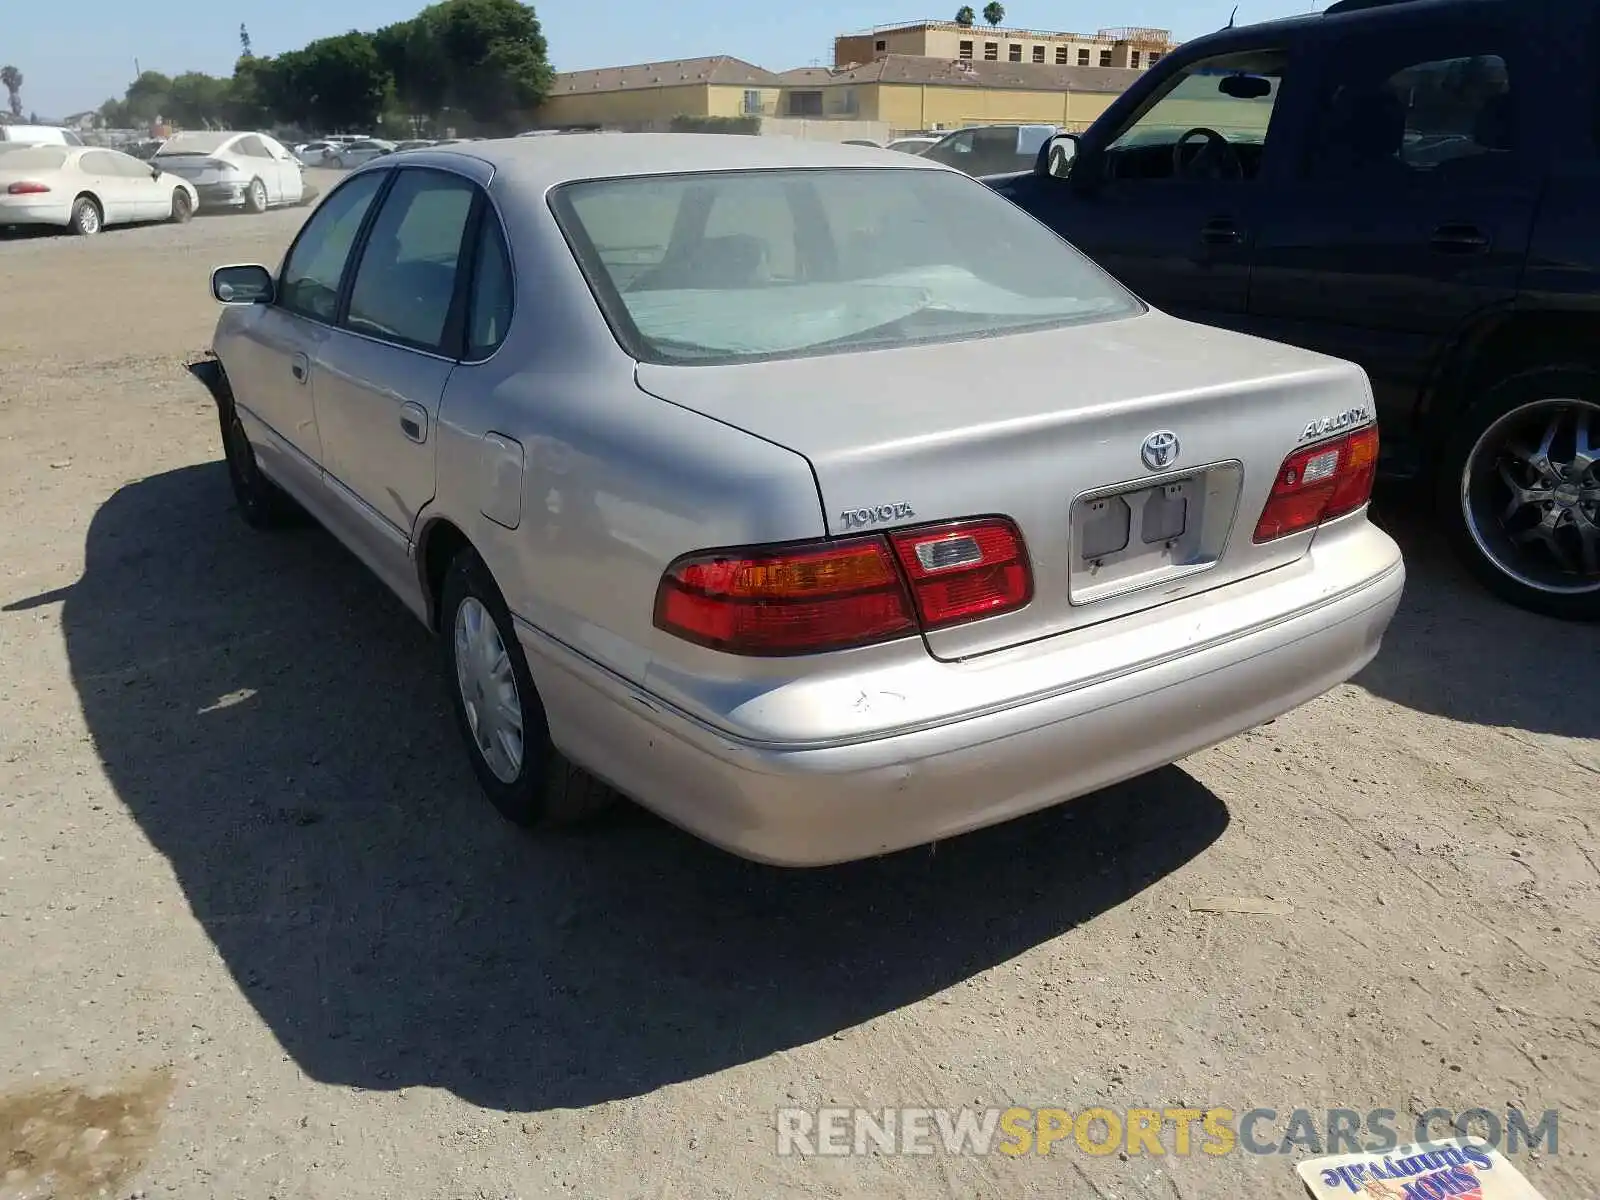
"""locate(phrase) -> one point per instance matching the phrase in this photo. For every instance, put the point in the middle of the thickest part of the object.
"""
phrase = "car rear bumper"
(14, 210)
(1300, 632)
(222, 195)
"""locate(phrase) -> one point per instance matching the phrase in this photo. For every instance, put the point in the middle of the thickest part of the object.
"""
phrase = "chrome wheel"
(1530, 493)
(87, 217)
(488, 690)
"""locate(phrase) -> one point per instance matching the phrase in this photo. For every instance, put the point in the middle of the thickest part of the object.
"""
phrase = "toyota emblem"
(1160, 449)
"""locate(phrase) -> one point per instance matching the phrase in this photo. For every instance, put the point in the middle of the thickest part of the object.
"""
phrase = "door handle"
(1221, 231)
(1459, 239)
(414, 422)
(300, 367)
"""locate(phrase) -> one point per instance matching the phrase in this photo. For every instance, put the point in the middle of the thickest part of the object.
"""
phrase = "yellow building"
(1133, 49)
(910, 92)
(649, 95)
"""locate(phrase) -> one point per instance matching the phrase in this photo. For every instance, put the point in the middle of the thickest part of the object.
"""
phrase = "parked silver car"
(814, 496)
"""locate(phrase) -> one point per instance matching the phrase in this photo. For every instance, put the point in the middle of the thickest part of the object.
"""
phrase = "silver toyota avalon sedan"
(814, 496)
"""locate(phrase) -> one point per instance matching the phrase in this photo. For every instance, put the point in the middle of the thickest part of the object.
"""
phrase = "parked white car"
(39, 135)
(354, 154)
(911, 145)
(248, 171)
(85, 188)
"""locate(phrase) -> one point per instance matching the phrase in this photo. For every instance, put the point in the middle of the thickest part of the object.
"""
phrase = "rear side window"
(489, 312)
(1437, 102)
(406, 280)
(251, 147)
(98, 162)
(311, 275)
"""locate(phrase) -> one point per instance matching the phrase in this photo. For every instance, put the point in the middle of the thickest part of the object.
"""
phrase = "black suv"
(1410, 184)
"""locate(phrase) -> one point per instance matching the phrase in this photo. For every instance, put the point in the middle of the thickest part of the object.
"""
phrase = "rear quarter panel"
(615, 483)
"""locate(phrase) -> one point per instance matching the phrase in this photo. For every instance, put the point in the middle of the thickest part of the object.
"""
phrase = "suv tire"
(1519, 490)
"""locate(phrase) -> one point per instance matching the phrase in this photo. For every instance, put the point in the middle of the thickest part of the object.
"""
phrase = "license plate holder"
(1140, 533)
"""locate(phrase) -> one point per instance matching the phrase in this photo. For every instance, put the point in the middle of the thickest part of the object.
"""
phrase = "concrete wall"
(905, 106)
(824, 130)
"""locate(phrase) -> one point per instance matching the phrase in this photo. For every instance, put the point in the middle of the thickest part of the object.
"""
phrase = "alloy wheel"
(1530, 493)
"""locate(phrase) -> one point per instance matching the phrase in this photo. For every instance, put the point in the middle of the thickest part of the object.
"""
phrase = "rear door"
(381, 373)
(254, 157)
(1411, 208)
(1173, 201)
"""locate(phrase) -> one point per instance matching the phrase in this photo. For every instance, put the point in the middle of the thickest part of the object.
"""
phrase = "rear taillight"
(26, 188)
(805, 599)
(965, 570)
(786, 601)
(1320, 483)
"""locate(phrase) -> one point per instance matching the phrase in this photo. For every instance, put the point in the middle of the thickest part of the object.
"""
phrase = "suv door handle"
(1459, 239)
(1221, 231)
(300, 367)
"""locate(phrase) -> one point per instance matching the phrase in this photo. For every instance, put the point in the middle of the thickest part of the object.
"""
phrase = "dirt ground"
(260, 937)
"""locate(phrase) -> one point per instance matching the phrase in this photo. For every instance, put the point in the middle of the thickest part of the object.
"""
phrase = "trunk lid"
(1047, 428)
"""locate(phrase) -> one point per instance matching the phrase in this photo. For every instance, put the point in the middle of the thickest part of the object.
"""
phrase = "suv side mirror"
(1057, 155)
(243, 284)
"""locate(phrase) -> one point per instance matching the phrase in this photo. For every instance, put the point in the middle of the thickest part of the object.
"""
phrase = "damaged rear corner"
(207, 368)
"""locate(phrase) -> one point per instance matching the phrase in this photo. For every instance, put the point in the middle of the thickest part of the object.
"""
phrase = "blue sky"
(66, 69)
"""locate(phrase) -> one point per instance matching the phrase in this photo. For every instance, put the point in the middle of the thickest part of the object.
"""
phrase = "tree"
(994, 12)
(335, 83)
(198, 100)
(965, 17)
(147, 98)
(244, 42)
(493, 55)
(11, 80)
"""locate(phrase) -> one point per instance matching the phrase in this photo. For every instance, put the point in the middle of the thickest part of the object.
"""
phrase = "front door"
(287, 168)
(381, 373)
(269, 362)
(1171, 203)
(1412, 207)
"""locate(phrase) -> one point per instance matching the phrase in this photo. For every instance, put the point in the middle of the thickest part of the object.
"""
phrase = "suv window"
(315, 266)
(406, 279)
(1413, 106)
(1233, 96)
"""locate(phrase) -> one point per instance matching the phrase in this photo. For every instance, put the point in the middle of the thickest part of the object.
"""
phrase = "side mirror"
(249, 284)
(1057, 155)
(155, 171)
(1245, 87)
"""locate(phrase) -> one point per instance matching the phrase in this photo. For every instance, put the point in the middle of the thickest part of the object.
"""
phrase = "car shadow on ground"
(1457, 651)
(275, 722)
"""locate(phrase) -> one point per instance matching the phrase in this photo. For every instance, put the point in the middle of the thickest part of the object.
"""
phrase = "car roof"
(548, 161)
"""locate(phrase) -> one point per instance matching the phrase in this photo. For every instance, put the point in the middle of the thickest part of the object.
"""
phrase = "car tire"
(87, 219)
(336, 163)
(524, 776)
(255, 197)
(182, 207)
(262, 503)
(1520, 505)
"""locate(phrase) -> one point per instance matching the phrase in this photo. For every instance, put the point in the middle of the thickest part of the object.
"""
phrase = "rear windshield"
(198, 142)
(34, 158)
(749, 265)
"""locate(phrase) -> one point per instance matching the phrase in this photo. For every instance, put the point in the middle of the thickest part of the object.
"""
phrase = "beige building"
(1130, 49)
(650, 94)
(907, 92)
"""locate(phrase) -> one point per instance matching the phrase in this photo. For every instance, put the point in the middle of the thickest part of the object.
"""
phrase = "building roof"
(1034, 77)
(716, 69)
(1123, 34)
(804, 75)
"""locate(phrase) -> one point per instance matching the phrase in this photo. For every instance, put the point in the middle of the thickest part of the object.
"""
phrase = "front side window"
(309, 283)
(736, 266)
(1403, 114)
(1209, 121)
(406, 280)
